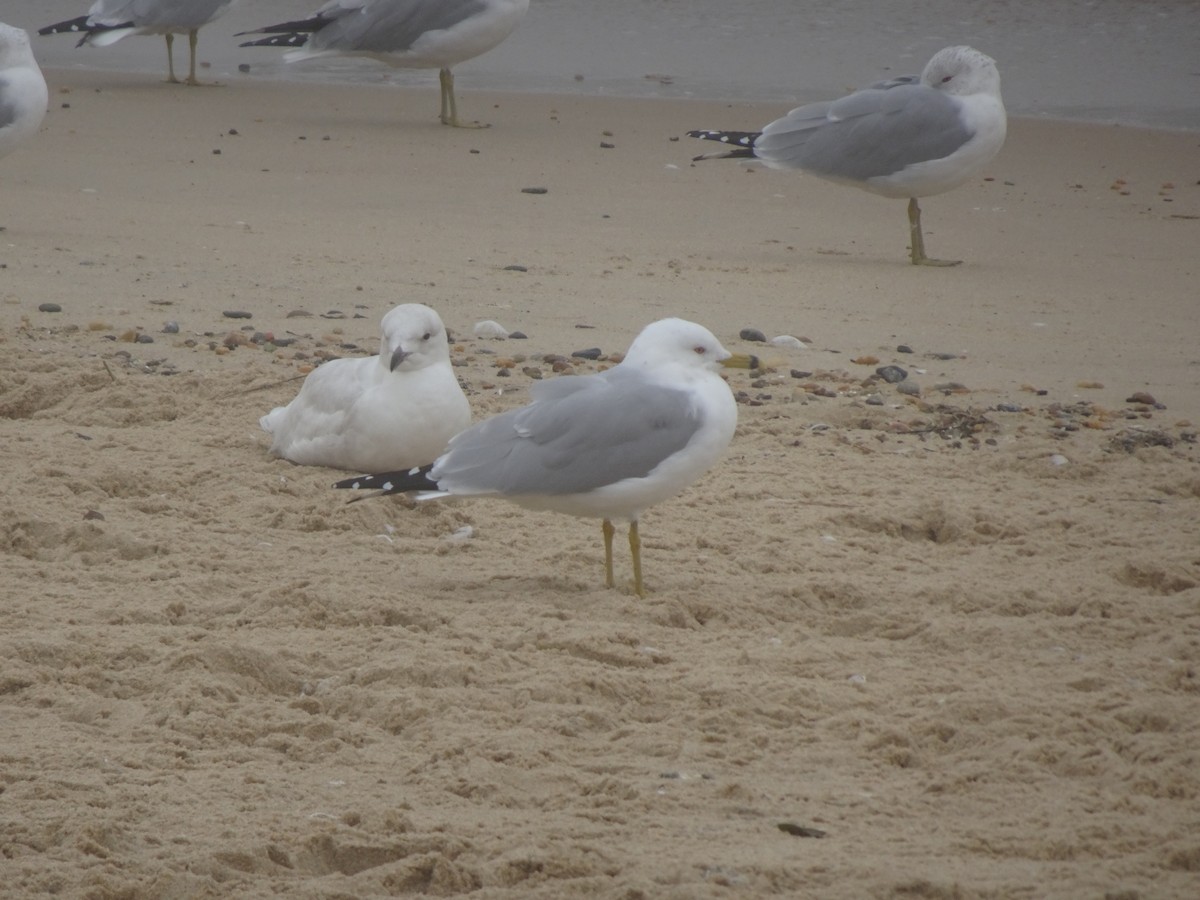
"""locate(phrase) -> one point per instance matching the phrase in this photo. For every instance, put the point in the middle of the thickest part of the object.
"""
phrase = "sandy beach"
(924, 645)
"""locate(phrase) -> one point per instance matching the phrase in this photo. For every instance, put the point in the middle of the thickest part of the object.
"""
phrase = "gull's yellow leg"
(635, 549)
(609, 531)
(192, 35)
(171, 58)
(449, 113)
(917, 239)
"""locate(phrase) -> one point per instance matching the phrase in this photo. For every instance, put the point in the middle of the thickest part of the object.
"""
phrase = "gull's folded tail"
(740, 143)
(402, 482)
(76, 25)
(293, 39)
(299, 26)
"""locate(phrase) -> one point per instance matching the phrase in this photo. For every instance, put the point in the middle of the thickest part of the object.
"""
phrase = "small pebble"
(243, 67)
(144, 339)
(874, 400)
(800, 373)
(891, 374)
(236, 314)
(1139, 397)
(516, 268)
(1057, 459)
(787, 340)
(589, 353)
(535, 190)
(909, 387)
(518, 336)
(49, 307)
(1008, 407)
(752, 334)
(170, 328)
(904, 348)
(94, 514)
(533, 372)
(605, 145)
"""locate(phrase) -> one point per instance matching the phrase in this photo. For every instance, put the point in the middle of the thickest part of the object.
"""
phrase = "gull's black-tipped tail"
(72, 25)
(402, 482)
(278, 40)
(740, 143)
(285, 34)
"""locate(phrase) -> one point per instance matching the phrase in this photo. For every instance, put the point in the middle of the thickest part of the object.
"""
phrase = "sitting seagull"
(110, 20)
(406, 34)
(23, 95)
(392, 411)
(912, 136)
(605, 446)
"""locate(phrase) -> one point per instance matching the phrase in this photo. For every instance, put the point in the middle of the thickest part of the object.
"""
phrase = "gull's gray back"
(389, 27)
(868, 134)
(159, 13)
(579, 434)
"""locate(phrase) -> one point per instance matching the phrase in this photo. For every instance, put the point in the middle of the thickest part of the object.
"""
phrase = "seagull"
(395, 410)
(110, 20)
(23, 94)
(911, 136)
(406, 34)
(605, 446)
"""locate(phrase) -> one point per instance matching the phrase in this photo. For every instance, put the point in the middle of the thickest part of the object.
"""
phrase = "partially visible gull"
(912, 136)
(605, 446)
(110, 20)
(391, 411)
(23, 95)
(406, 34)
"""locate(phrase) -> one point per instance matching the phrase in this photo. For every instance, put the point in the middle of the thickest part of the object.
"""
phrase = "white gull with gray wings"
(411, 34)
(913, 136)
(605, 446)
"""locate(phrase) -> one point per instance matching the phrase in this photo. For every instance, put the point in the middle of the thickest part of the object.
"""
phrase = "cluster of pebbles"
(903, 405)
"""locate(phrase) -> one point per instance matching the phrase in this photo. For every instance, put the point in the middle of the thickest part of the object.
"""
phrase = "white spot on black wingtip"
(386, 486)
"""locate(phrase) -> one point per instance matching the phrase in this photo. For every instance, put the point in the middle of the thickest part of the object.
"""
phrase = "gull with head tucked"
(907, 137)
(405, 34)
(110, 20)
(606, 446)
(394, 410)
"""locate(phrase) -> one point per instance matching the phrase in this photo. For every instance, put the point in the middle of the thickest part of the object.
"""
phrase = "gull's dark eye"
(426, 336)
(699, 350)
(947, 78)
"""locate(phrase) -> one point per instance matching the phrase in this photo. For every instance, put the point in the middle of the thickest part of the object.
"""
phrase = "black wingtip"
(400, 482)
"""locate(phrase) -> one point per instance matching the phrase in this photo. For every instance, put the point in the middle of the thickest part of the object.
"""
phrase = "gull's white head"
(676, 342)
(14, 47)
(962, 71)
(413, 338)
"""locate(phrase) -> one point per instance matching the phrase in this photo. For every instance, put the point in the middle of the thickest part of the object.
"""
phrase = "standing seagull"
(906, 137)
(110, 20)
(23, 94)
(605, 446)
(406, 34)
(391, 411)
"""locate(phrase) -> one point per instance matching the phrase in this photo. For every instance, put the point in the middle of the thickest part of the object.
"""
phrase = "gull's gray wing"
(387, 26)
(157, 13)
(867, 134)
(579, 434)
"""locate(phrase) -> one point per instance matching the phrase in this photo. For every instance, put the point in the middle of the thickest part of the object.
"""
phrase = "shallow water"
(1103, 61)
